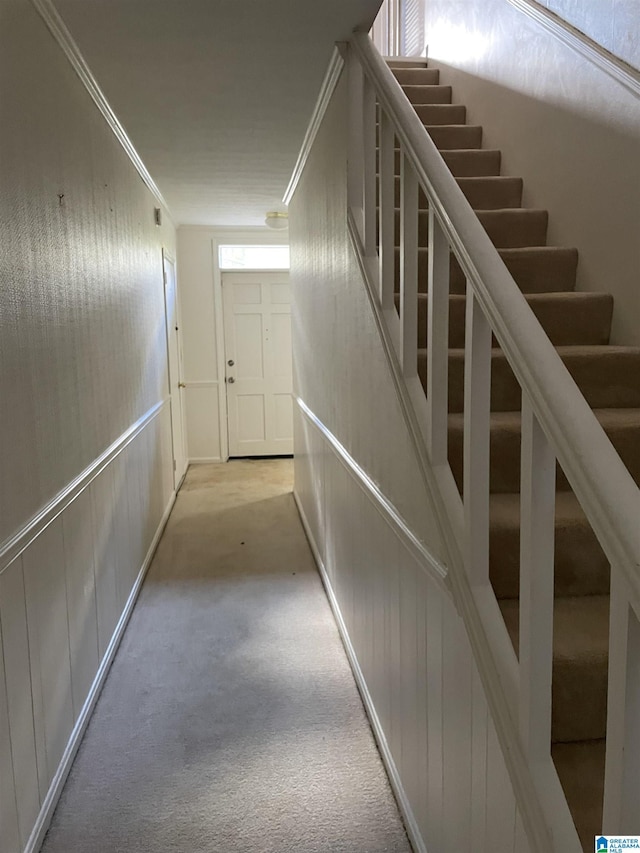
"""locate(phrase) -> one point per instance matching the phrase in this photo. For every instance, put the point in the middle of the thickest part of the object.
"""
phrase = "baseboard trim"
(612, 65)
(16, 544)
(410, 823)
(55, 789)
(431, 565)
(61, 34)
(331, 77)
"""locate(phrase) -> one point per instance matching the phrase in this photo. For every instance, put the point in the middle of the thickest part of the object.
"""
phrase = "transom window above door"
(268, 257)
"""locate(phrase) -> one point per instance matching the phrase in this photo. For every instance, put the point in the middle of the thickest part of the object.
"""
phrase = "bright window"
(254, 257)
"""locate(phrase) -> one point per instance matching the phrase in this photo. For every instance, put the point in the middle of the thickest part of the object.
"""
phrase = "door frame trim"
(250, 236)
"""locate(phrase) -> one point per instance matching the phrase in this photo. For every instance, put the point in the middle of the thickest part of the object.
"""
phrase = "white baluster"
(622, 771)
(386, 238)
(355, 156)
(477, 404)
(438, 341)
(369, 165)
(408, 269)
(537, 538)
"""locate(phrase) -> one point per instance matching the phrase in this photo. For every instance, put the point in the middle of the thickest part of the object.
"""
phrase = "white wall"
(85, 436)
(611, 23)
(571, 131)
(200, 285)
(418, 674)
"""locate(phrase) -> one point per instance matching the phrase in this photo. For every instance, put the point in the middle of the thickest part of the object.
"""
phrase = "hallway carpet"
(230, 720)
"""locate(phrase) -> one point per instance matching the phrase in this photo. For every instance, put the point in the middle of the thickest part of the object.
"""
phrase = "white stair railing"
(557, 422)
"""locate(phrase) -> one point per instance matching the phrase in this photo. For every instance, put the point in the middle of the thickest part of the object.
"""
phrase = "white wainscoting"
(65, 598)
(410, 656)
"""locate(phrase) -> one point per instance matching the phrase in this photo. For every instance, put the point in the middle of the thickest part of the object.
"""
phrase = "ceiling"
(216, 95)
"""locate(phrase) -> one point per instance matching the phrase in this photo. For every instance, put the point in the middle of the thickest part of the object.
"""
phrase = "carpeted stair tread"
(417, 76)
(514, 227)
(428, 94)
(580, 654)
(608, 376)
(581, 567)
(580, 767)
(621, 425)
(537, 269)
(453, 136)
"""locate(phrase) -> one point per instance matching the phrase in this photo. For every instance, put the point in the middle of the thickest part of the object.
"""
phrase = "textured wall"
(566, 127)
(82, 338)
(340, 370)
(611, 23)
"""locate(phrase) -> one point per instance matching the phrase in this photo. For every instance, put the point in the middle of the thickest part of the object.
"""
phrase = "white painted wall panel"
(9, 834)
(47, 617)
(203, 424)
(565, 126)
(419, 676)
(105, 546)
(15, 639)
(77, 525)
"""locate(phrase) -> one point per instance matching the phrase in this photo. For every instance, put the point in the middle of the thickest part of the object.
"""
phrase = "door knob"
(231, 362)
(182, 385)
(231, 380)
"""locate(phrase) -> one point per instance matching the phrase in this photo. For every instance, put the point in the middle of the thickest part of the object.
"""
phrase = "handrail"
(604, 486)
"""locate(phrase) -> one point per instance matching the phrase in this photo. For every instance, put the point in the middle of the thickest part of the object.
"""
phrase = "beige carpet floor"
(230, 720)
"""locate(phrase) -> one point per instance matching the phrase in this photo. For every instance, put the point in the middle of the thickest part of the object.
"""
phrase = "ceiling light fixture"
(277, 220)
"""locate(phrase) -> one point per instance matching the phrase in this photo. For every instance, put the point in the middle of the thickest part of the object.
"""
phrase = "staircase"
(578, 325)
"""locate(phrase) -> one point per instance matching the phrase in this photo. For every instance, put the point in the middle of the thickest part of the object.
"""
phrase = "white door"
(257, 333)
(173, 357)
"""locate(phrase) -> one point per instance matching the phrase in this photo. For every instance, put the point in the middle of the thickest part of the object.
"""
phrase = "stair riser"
(428, 94)
(607, 382)
(489, 193)
(492, 193)
(581, 567)
(542, 273)
(567, 322)
(471, 163)
(446, 115)
(454, 137)
(505, 455)
(506, 233)
(572, 682)
(417, 76)
(511, 229)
